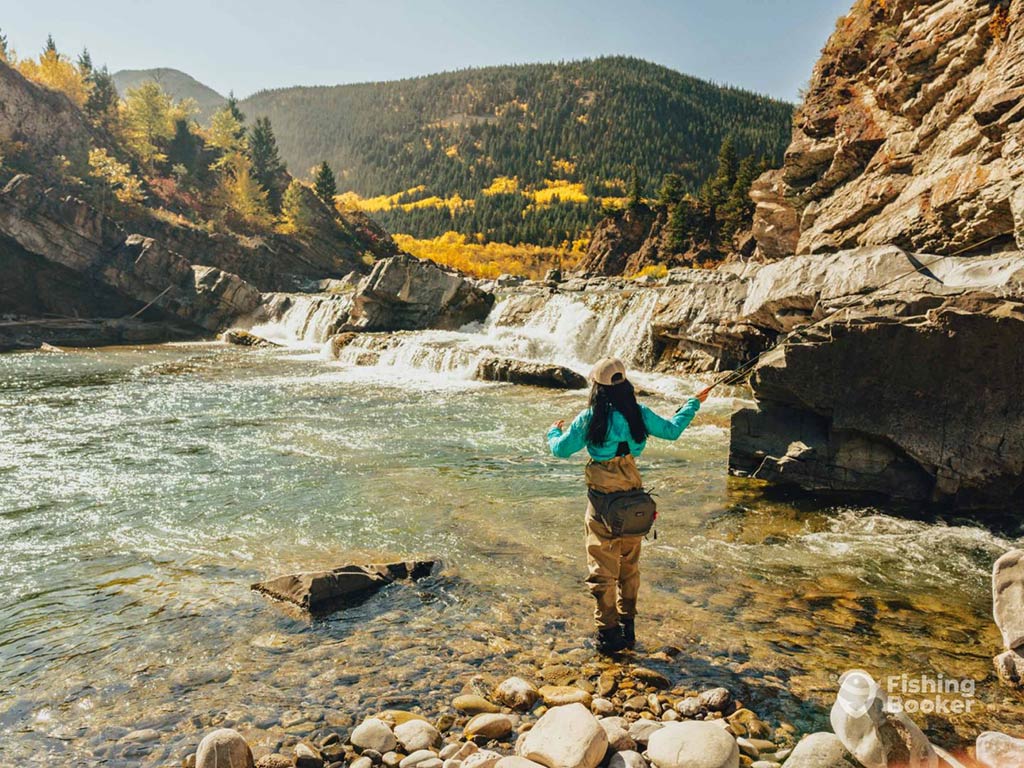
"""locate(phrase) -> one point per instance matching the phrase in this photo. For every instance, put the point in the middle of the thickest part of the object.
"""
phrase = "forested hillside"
(527, 153)
(175, 84)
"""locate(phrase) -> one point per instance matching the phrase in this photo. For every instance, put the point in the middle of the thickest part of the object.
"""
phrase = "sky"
(767, 46)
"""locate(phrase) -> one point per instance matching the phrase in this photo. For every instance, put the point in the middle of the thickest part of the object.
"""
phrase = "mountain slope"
(176, 83)
(525, 152)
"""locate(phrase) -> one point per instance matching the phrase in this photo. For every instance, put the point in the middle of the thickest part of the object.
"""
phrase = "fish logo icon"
(857, 691)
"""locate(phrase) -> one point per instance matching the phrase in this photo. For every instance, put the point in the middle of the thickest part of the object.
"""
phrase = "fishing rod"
(736, 376)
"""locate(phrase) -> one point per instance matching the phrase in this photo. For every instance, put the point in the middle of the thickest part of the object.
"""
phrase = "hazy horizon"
(766, 47)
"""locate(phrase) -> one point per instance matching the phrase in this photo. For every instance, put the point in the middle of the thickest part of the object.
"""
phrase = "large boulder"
(1008, 597)
(224, 748)
(565, 737)
(319, 591)
(910, 389)
(406, 293)
(531, 373)
(693, 744)
(874, 735)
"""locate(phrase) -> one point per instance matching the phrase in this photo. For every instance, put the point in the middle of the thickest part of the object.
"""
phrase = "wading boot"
(610, 641)
(628, 627)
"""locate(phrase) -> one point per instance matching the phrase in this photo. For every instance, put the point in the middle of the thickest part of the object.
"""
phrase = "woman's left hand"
(560, 424)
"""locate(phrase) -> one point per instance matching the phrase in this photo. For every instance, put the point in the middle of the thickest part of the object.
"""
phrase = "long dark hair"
(621, 397)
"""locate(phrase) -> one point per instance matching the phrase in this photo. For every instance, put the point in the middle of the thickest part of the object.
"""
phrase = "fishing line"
(736, 376)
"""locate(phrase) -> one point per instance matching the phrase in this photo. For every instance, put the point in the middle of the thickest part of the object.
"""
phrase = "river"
(143, 489)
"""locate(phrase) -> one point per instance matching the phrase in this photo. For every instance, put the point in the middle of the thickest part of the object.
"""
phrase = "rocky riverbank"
(602, 714)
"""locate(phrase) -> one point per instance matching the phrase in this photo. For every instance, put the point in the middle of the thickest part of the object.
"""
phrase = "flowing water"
(143, 489)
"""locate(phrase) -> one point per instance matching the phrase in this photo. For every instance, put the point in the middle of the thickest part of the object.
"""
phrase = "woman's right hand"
(560, 424)
(703, 394)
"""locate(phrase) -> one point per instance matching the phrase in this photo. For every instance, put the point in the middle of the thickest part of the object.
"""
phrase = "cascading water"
(301, 318)
(568, 329)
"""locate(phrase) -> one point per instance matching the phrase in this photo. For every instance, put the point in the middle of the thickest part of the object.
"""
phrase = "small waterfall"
(571, 329)
(309, 318)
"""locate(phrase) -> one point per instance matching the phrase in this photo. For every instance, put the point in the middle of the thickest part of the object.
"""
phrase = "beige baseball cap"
(608, 371)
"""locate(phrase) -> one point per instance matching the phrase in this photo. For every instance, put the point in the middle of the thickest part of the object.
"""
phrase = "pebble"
(602, 707)
(417, 757)
(391, 759)
(606, 684)
(560, 695)
(142, 735)
(615, 728)
(688, 707)
(747, 748)
(635, 704)
(517, 693)
(652, 677)
(715, 699)
(765, 764)
(448, 750)
(307, 756)
(415, 735)
(641, 730)
(361, 762)
(471, 704)
(483, 758)
(489, 726)
(514, 761)
(374, 734)
(627, 759)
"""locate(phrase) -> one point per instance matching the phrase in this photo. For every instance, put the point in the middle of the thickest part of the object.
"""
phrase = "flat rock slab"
(529, 373)
(324, 591)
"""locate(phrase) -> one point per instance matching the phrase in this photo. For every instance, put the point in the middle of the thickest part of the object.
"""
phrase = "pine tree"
(237, 114)
(51, 47)
(324, 184)
(101, 105)
(85, 63)
(267, 167)
(635, 189)
(672, 189)
(3, 47)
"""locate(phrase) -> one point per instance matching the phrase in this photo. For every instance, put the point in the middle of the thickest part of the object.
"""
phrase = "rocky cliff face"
(911, 391)
(70, 238)
(911, 133)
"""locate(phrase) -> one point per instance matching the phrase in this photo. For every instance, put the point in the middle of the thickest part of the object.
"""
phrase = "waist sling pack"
(628, 512)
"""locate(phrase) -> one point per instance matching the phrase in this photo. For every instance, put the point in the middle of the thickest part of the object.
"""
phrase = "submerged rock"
(531, 373)
(318, 591)
(224, 748)
(245, 339)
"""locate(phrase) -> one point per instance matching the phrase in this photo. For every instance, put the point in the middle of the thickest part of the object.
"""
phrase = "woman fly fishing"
(614, 430)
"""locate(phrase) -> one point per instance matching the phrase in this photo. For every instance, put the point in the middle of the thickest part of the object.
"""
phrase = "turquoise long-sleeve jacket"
(565, 444)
